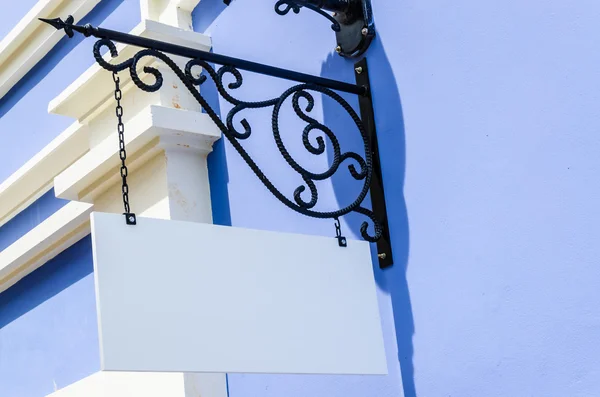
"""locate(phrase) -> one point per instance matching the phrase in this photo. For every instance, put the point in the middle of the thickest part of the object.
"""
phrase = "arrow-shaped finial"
(56, 22)
(59, 24)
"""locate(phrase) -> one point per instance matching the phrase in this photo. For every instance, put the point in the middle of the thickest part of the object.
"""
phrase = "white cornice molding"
(156, 124)
(30, 40)
(147, 134)
(36, 177)
(61, 230)
(81, 100)
(84, 97)
(153, 130)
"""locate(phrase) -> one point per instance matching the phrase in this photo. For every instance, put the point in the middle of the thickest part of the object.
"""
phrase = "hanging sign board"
(189, 297)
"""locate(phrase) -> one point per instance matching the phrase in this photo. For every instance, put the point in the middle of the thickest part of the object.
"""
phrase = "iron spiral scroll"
(361, 168)
(283, 7)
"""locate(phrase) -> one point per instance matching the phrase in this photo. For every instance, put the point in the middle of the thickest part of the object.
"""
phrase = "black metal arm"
(173, 49)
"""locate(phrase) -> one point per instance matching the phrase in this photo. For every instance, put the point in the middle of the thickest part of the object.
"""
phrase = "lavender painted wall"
(488, 117)
(29, 218)
(10, 16)
(48, 328)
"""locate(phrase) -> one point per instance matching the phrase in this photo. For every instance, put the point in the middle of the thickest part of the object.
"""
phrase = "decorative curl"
(365, 226)
(158, 78)
(289, 6)
(283, 7)
(131, 64)
(112, 48)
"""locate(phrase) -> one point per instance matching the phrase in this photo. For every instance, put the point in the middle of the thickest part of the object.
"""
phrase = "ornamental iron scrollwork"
(283, 7)
(316, 137)
(234, 136)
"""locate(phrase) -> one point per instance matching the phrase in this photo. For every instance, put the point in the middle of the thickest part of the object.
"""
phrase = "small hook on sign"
(338, 234)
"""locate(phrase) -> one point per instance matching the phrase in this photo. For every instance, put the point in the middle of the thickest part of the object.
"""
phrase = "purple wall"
(488, 115)
(29, 218)
(10, 16)
(48, 328)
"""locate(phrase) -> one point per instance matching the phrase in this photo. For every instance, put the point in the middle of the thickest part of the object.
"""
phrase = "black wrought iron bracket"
(351, 20)
(365, 169)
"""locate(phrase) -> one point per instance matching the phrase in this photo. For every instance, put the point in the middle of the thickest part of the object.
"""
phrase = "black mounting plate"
(357, 30)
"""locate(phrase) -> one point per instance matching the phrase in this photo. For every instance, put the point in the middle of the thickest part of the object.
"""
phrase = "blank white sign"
(189, 297)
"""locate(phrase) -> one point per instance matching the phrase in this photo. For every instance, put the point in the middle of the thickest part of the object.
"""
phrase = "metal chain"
(338, 234)
(129, 217)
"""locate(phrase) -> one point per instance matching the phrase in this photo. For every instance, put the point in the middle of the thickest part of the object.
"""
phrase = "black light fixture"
(352, 21)
(363, 168)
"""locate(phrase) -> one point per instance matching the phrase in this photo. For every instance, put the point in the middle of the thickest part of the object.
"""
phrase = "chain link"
(122, 152)
(338, 233)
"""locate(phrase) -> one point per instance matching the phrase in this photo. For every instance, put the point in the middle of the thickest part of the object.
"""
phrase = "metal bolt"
(382, 256)
(359, 70)
(365, 31)
(338, 49)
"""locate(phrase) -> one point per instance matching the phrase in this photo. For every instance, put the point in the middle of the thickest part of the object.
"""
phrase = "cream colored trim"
(31, 40)
(176, 13)
(147, 134)
(36, 177)
(61, 230)
(83, 99)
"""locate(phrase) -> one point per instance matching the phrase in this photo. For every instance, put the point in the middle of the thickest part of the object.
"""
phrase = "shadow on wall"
(49, 280)
(206, 13)
(218, 171)
(391, 135)
(392, 146)
(29, 218)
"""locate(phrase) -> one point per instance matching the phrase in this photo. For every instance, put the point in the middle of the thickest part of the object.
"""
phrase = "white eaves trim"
(30, 40)
(36, 177)
(21, 49)
(81, 98)
(172, 12)
(148, 132)
(61, 230)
